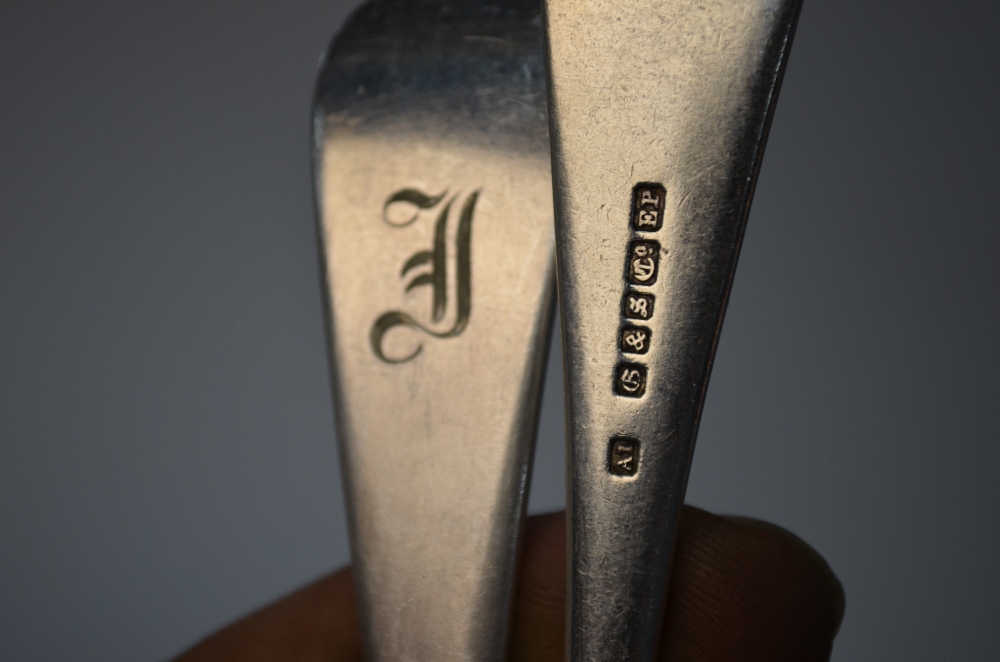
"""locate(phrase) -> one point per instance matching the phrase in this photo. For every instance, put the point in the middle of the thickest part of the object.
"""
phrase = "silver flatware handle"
(435, 204)
(659, 113)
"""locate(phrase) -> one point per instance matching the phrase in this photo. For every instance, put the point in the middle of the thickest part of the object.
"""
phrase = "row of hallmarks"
(638, 307)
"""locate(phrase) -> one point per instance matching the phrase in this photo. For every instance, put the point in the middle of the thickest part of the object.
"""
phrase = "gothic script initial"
(436, 277)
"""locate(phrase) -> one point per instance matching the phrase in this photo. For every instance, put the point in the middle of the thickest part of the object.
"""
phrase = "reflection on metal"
(435, 203)
(659, 112)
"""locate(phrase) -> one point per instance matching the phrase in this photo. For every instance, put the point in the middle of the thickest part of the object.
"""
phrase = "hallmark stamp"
(634, 340)
(641, 269)
(643, 260)
(647, 207)
(432, 269)
(630, 380)
(637, 306)
(623, 456)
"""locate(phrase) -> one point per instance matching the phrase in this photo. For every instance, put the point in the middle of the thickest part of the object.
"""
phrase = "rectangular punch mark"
(630, 380)
(638, 306)
(623, 456)
(643, 262)
(634, 339)
(648, 201)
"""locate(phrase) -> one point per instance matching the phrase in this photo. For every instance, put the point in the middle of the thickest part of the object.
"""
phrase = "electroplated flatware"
(435, 215)
(659, 113)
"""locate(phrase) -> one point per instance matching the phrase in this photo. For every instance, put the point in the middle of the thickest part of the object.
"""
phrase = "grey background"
(167, 456)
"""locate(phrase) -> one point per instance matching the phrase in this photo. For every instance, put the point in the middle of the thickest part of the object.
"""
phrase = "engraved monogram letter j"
(437, 276)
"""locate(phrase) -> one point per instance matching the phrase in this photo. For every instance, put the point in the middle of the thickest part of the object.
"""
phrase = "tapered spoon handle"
(659, 112)
(432, 174)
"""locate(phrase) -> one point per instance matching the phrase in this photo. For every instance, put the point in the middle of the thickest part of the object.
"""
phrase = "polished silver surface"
(435, 200)
(659, 112)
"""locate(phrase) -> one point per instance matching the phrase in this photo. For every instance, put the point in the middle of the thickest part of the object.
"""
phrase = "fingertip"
(747, 590)
(828, 586)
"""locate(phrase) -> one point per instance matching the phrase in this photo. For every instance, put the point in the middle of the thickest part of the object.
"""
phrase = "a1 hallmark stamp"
(623, 456)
